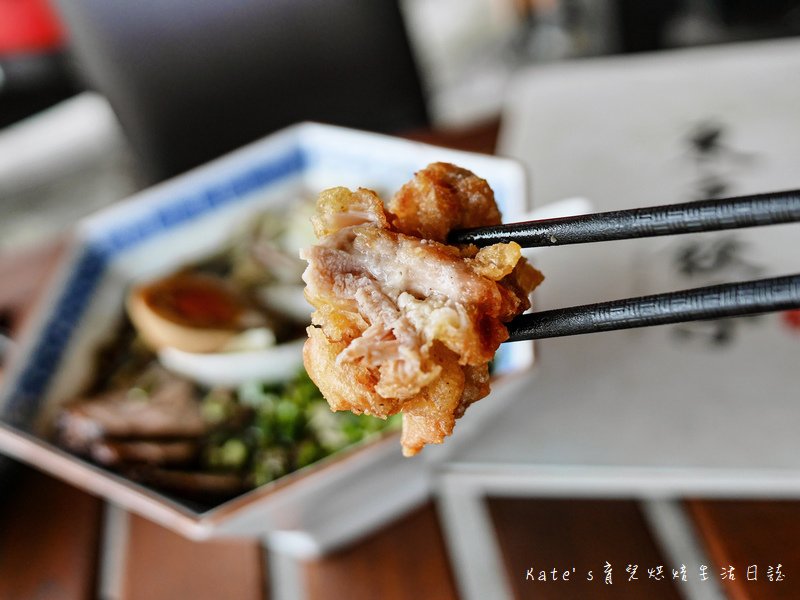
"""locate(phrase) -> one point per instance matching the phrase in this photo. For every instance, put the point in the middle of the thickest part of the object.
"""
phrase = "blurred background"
(100, 99)
(53, 49)
(187, 81)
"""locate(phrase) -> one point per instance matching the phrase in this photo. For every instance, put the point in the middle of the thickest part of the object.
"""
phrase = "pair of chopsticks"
(712, 302)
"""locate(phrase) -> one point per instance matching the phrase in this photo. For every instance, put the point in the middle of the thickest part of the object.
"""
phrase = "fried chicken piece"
(431, 415)
(346, 385)
(405, 322)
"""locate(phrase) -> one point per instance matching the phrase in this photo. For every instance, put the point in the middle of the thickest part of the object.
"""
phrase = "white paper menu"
(704, 404)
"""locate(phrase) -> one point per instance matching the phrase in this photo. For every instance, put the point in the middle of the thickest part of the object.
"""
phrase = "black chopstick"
(690, 217)
(712, 302)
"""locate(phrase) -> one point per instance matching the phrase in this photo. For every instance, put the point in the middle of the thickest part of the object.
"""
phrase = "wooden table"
(51, 533)
(55, 543)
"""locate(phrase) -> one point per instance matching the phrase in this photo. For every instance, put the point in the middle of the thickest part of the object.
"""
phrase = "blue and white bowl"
(186, 219)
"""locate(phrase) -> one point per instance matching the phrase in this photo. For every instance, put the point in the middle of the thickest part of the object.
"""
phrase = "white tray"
(650, 414)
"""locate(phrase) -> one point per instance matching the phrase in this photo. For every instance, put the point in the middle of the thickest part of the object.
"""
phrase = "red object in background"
(29, 27)
(792, 319)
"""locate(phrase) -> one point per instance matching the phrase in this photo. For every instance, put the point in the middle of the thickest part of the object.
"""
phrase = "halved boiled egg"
(192, 312)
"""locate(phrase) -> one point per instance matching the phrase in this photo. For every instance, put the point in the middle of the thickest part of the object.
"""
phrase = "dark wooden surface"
(162, 565)
(49, 538)
(743, 534)
(405, 561)
(579, 538)
(479, 138)
(23, 276)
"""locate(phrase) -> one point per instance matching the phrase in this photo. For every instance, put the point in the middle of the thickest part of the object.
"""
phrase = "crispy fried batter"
(431, 415)
(440, 198)
(346, 385)
(404, 321)
(339, 207)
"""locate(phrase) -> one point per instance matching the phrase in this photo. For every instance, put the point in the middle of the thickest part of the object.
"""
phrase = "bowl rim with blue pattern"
(170, 224)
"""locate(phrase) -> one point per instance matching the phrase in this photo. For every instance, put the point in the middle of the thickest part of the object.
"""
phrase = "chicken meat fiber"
(404, 321)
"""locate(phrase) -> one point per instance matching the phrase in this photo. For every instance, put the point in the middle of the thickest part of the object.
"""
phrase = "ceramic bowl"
(322, 506)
